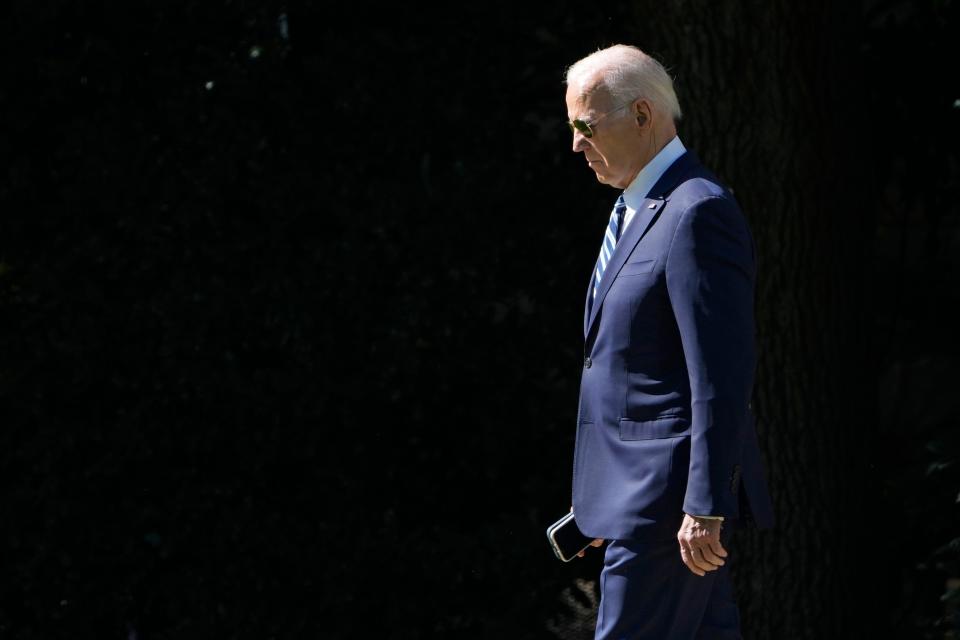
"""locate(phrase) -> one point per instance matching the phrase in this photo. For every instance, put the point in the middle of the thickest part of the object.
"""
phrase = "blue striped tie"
(610, 238)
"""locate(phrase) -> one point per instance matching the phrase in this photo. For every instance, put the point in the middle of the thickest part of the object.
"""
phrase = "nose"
(580, 142)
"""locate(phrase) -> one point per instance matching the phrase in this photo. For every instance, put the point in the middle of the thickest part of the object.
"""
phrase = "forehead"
(586, 99)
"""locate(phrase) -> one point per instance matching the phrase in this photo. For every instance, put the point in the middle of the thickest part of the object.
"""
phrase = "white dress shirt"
(637, 190)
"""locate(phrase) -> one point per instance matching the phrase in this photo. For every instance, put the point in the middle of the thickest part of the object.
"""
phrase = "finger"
(597, 542)
(580, 554)
(697, 556)
(717, 547)
(706, 553)
(688, 559)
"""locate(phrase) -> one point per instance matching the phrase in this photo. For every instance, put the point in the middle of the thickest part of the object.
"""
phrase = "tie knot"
(621, 205)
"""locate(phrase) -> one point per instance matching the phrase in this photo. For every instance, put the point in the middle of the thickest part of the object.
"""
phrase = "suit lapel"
(635, 231)
(587, 306)
(642, 219)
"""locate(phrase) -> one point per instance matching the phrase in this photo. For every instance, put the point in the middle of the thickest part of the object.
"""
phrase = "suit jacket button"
(588, 362)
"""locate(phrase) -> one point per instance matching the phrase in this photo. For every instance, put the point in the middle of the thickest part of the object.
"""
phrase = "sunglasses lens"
(581, 126)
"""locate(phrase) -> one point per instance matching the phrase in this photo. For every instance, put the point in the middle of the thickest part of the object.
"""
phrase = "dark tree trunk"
(767, 91)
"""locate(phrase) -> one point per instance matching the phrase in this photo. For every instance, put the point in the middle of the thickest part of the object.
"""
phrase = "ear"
(642, 110)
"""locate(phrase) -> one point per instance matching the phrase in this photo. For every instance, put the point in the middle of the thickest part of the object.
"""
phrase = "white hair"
(627, 73)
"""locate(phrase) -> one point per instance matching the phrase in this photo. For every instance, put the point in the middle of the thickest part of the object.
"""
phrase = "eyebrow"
(580, 117)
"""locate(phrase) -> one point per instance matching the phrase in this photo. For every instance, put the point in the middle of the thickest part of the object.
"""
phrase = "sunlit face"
(613, 152)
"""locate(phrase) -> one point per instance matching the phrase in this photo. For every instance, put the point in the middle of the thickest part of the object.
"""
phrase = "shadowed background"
(292, 312)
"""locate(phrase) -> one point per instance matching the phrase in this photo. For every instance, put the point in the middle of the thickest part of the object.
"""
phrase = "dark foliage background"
(291, 309)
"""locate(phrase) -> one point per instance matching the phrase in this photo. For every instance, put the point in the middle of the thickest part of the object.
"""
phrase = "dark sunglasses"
(586, 128)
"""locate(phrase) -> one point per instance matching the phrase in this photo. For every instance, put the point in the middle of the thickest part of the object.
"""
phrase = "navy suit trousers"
(648, 593)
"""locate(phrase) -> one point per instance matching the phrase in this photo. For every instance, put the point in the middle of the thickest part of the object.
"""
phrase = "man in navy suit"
(666, 450)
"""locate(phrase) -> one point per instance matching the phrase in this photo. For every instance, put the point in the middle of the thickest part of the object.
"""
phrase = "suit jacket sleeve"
(710, 283)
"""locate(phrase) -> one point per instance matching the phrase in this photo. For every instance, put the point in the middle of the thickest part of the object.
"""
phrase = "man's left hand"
(700, 545)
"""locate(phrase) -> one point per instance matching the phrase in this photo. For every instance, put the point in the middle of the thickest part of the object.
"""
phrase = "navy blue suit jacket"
(664, 425)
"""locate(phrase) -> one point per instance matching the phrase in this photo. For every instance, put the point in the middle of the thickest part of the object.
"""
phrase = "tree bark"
(768, 91)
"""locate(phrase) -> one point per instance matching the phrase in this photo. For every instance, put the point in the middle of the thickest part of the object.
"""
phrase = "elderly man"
(666, 450)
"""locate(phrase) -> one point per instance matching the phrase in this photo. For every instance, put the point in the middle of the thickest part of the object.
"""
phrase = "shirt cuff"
(706, 517)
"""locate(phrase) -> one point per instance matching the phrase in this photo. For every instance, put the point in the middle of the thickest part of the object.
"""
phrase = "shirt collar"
(637, 190)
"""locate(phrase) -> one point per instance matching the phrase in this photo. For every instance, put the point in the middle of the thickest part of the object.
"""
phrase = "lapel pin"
(652, 205)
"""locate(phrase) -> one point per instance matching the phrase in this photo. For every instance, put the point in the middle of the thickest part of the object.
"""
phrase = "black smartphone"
(566, 539)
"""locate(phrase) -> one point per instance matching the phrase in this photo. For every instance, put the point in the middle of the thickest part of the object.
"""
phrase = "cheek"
(603, 158)
(616, 159)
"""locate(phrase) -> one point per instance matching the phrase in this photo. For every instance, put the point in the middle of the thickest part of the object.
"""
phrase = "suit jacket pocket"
(637, 268)
(666, 427)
